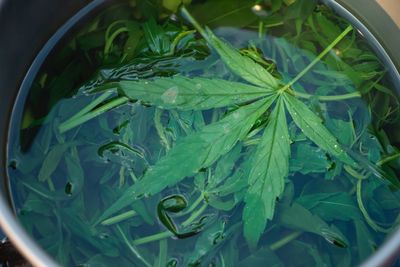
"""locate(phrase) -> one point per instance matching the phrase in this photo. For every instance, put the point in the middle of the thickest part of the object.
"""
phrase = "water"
(65, 174)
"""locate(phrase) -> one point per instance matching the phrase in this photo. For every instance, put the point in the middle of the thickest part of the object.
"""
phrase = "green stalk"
(110, 41)
(364, 211)
(388, 159)
(160, 129)
(195, 204)
(284, 241)
(119, 218)
(132, 248)
(318, 58)
(189, 17)
(162, 254)
(166, 234)
(194, 216)
(152, 238)
(177, 40)
(68, 125)
(91, 106)
(329, 97)
(260, 29)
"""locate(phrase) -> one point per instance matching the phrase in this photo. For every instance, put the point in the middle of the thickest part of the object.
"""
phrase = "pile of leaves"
(275, 140)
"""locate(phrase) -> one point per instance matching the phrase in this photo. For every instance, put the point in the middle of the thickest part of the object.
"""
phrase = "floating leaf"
(51, 161)
(267, 177)
(194, 152)
(241, 65)
(184, 93)
(312, 127)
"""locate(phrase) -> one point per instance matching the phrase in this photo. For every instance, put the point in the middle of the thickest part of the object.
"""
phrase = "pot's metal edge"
(37, 257)
(390, 250)
(8, 222)
(365, 31)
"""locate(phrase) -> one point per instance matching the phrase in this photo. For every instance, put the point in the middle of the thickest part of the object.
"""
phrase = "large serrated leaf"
(312, 127)
(193, 152)
(241, 65)
(185, 93)
(267, 176)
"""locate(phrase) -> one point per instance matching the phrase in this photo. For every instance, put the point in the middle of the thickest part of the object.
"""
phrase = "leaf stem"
(70, 124)
(190, 18)
(328, 97)
(260, 29)
(194, 215)
(110, 41)
(195, 204)
(160, 129)
(166, 234)
(132, 248)
(177, 40)
(92, 105)
(152, 238)
(388, 159)
(162, 254)
(318, 58)
(119, 218)
(284, 241)
(364, 211)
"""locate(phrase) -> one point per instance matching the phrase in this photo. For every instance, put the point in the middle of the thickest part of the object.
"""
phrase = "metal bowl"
(30, 31)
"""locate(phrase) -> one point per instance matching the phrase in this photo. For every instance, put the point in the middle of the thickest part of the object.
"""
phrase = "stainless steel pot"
(29, 33)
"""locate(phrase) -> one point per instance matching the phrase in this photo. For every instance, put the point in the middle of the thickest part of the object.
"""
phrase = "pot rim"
(38, 257)
(24, 243)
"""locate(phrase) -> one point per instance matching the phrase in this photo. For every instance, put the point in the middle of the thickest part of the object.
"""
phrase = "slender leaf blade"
(241, 65)
(185, 93)
(52, 161)
(267, 177)
(312, 127)
(193, 152)
(299, 218)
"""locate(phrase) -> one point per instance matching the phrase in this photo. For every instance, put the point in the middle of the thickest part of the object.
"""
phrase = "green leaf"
(312, 127)
(331, 206)
(233, 13)
(209, 243)
(185, 93)
(194, 152)
(51, 161)
(241, 65)
(172, 5)
(365, 242)
(156, 38)
(267, 177)
(299, 218)
(224, 167)
(262, 257)
(307, 158)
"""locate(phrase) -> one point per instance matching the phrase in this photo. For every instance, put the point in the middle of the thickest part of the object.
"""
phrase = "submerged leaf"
(267, 176)
(185, 93)
(331, 206)
(299, 218)
(194, 152)
(312, 127)
(51, 161)
(156, 37)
